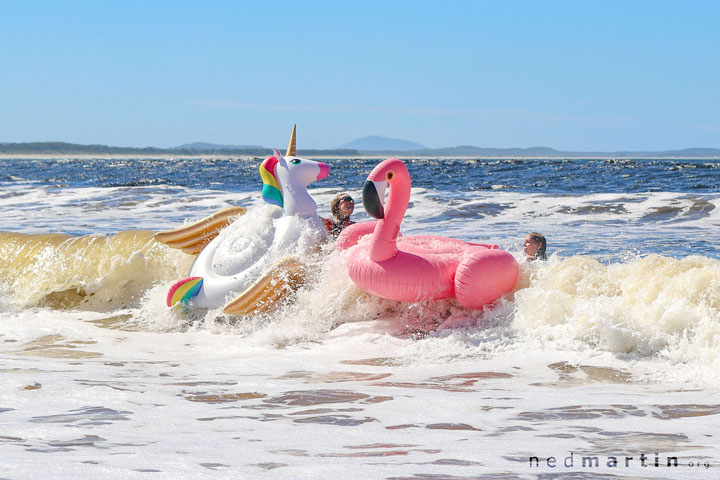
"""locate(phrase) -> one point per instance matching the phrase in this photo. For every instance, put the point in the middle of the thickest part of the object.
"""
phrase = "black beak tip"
(371, 201)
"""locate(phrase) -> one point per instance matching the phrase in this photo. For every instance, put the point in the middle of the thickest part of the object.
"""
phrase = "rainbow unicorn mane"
(271, 192)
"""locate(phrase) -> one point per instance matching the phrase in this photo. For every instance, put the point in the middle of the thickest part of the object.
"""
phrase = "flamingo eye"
(390, 175)
(295, 161)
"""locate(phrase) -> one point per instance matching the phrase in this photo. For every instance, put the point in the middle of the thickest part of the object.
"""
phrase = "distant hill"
(469, 150)
(63, 148)
(376, 143)
(200, 148)
(213, 147)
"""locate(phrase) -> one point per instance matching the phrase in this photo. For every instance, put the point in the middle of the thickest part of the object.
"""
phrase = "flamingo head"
(386, 174)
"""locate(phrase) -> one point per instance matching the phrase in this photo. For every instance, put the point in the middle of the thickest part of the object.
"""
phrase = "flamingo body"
(414, 268)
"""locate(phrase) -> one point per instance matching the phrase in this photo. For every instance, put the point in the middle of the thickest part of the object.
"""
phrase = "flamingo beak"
(373, 195)
(324, 171)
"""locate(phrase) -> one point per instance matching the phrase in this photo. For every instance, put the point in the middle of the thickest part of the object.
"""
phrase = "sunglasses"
(347, 199)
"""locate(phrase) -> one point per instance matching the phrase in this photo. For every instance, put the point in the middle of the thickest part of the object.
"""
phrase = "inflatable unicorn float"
(256, 282)
(416, 268)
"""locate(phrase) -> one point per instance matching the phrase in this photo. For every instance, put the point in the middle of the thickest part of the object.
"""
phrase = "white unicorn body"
(246, 250)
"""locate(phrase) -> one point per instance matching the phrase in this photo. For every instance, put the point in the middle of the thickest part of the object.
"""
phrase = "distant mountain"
(377, 143)
(469, 150)
(198, 148)
(370, 146)
(213, 147)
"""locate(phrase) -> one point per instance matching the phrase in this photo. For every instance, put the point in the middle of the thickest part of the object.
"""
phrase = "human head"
(342, 206)
(535, 246)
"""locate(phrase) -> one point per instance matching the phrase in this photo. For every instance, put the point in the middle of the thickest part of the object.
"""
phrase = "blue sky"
(573, 75)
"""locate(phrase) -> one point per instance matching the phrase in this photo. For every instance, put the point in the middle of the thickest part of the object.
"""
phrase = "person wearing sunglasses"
(342, 206)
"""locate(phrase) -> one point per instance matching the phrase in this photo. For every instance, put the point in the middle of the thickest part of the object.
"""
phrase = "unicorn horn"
(291, 146)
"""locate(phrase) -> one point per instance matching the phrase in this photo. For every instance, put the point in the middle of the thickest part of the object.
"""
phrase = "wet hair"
(335, 204)
(539, 238)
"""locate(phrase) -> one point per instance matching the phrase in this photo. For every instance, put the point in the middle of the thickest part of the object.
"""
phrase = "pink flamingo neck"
(384, 242)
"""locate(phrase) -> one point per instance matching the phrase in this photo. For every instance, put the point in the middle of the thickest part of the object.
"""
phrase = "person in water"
(342, 206)
(535, 246)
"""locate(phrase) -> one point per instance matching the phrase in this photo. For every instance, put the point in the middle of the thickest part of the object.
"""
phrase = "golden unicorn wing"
(192, 238)
(268, 291)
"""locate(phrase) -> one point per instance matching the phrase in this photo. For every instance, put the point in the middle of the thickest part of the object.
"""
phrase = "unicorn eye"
(295, 161)
(390, 175)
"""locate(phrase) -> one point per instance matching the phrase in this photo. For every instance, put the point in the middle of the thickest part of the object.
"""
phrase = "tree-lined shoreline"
(62, 148)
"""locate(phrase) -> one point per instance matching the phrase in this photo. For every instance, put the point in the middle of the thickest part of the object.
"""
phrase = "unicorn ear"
(279, 156)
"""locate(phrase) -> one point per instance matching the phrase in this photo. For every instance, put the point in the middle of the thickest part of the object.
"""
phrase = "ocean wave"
(642, 308)
(646, 306)
(92, 272)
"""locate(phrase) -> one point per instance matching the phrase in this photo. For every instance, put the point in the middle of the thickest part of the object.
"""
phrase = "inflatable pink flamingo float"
(416, 268)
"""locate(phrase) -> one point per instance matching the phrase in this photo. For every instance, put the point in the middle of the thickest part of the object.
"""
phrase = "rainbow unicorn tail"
(183, 290)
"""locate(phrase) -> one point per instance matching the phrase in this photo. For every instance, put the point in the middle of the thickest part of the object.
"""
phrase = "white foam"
(639, 333)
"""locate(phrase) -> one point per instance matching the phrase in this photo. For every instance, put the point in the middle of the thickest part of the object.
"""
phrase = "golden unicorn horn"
(291, 146)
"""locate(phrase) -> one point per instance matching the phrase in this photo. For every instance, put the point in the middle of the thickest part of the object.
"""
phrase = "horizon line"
(230, 148)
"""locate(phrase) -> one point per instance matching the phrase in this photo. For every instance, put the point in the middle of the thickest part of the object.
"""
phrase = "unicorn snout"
(324, 171)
